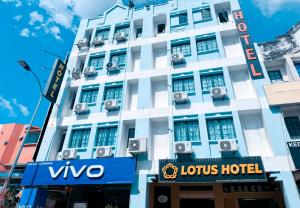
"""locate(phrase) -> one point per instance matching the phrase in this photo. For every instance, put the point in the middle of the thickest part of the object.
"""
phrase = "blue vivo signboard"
(71, 172)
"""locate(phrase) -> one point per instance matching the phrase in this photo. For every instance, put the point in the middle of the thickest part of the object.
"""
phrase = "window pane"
(97, 62)
(174, 20)
(210, 81)
(113, 93)
(207, 45)
(122, 29)
(79, 138)
(139, 32)
(184, 85)
(106, 136)
(182, 48)
(103, 33)
(183, 18)
(197, 16)
(89, 96)
(297, 65)
(186, 131)
(220, 129)
(275, 76)
(206, 15)
(293, 126)
(119, 58)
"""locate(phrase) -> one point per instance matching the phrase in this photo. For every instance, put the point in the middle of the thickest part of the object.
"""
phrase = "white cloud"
(23, 109)
(18, 18)
(53, 30)
(6, 105)
(35, 17)
(25, 32)
(270, 7)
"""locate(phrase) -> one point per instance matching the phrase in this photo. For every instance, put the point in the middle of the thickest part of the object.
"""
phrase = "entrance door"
(258, 203)
(201, 203)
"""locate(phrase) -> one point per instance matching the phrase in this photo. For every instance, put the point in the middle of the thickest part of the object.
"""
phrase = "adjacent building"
(11, 137)
(168, 105)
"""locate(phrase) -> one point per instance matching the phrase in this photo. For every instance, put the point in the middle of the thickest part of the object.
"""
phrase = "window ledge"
(180, 25)
(92, 104)
(201, 21)
(207, 52)
(216, 141)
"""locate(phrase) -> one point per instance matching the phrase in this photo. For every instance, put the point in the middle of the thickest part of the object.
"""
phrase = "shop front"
(215, 183)
(89, 183)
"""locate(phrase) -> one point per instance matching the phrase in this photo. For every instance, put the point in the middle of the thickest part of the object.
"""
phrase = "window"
(275, 76)
(223, 16)
(184, 85)
(297, 65)
(106, 136)
(202, 15)
(103, 33)
(79, 138)
(139, 32)
(186, 131)
(119, 59)
(293, 126)
(184, 48)
(32, 138)
(131, 134)
(211, 81)
(207, 45)
(122, 29)
(220, 129)
(161, 28)
(97, 62)
(89, 96)
(113, 93)
(179, 19)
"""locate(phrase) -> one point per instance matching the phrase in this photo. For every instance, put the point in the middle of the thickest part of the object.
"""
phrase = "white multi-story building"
(164, 106)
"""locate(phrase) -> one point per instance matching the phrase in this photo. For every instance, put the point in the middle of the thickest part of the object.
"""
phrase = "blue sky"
(29, 27)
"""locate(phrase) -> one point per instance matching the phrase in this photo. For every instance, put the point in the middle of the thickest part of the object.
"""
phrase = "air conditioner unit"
(76, 73)
(121, 36)
(137, 145)
(89, 71)
(183, 148)
(111, 104)
(82, 43)
(178, 58)
(103, 151)
(98, 41)
(227, 146)
(180, 97)
(218, 92)
(112, 67)
(69, 154)
(81, 108)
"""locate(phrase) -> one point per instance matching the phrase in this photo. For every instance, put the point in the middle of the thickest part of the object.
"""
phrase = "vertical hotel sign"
(55, 79)
(254, 66)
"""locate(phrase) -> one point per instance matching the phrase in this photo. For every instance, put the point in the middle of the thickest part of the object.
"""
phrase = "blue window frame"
(184, 85)
(113, 93)
(106, 136)
(297, 65)
(89, 95)
(103, 33)
(201, 15)
(79, 138)
(184, 48)
(119, 59)
(211, 81)
(293, 126)
(275, 76)
(207, 45)
(186, 131)
(124, 29)
(222, 128)
(97, 62)
(179, 19)
(139, 32)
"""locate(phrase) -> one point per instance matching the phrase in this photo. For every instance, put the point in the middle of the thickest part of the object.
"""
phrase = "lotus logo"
(170, 171)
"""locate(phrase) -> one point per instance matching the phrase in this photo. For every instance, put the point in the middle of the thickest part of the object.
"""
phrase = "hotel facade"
(168, 106)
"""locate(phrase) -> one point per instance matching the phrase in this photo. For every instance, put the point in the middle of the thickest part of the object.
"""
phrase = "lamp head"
(24, 65)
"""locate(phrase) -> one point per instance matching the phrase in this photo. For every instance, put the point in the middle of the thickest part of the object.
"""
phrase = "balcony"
(284, 93)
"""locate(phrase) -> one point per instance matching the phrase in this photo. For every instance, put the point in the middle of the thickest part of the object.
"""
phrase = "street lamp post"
(27, 68)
